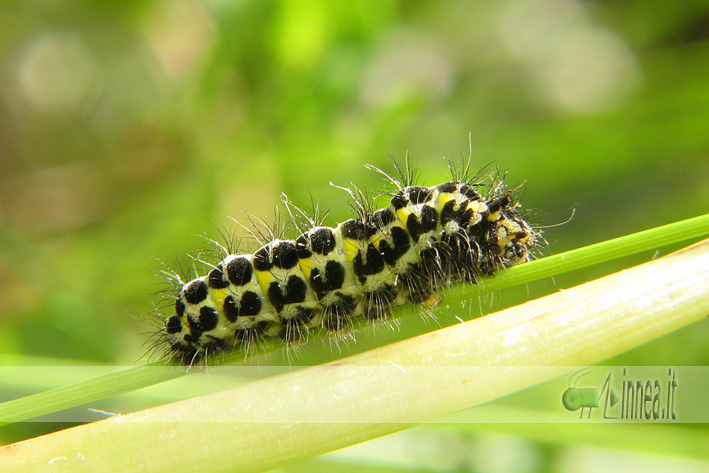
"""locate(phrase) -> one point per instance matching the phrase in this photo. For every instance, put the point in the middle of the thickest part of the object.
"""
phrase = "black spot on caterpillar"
(427, 238)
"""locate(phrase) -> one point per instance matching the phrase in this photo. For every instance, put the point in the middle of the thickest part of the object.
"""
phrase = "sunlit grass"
(319, 409)
(131, 379)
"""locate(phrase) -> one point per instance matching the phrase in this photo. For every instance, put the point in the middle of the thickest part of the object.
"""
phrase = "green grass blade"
(586, 256)
(125, 381)
(501, 353)
(83, 392)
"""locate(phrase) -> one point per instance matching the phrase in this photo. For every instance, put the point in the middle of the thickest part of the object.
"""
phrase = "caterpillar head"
(512, 238)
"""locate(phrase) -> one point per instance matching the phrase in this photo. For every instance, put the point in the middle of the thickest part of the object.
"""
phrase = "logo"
(634, 399)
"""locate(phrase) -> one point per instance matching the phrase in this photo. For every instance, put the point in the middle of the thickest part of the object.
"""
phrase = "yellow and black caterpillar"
(427, 238)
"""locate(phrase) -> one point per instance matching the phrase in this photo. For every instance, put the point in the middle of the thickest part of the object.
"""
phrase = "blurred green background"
(128, 129)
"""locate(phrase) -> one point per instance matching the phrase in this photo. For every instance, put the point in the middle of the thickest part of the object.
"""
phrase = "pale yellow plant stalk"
(412, 381)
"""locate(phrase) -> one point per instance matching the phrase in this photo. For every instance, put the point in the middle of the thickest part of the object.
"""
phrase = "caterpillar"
(427, 238)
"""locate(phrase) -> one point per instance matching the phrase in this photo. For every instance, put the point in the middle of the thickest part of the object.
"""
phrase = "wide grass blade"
(286, 418)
